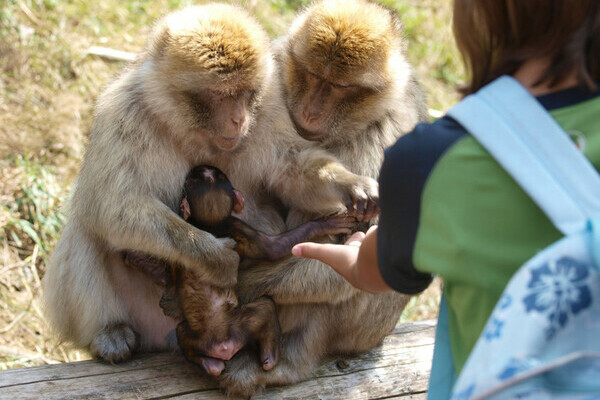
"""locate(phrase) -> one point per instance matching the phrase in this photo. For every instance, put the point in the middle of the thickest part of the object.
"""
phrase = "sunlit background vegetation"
(48, 83)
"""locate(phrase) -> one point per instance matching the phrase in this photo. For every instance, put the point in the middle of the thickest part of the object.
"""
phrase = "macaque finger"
(372, 210)
(361, 206)
(350, 204)
(238, 201)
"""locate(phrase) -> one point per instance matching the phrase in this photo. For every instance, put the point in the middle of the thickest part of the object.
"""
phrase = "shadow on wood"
(398, 369)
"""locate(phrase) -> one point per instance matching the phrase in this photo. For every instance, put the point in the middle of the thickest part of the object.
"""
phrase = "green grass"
(36, 219)
(48, 85)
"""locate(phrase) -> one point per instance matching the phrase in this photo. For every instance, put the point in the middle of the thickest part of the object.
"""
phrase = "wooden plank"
(399, 368)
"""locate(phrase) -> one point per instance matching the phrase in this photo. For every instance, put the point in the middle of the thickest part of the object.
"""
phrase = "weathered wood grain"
(398, 369)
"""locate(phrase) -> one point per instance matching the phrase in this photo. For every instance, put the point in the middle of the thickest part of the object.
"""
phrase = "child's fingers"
(322, 252)
(339, 257)
(356, 239)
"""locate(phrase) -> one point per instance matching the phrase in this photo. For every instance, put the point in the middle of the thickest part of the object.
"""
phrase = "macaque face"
(318, 102)
(223, 117)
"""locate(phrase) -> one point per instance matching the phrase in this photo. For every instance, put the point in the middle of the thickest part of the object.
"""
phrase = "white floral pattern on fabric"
(559, 288)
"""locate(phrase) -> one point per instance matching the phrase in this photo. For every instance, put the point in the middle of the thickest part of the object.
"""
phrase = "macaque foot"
(269, 358)
(212, 366)
(225, 350)
(337, 224)
(114, 343)
(242, 376)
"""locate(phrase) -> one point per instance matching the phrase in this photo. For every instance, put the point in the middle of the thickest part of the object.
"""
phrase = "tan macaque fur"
(158, 119)
(355, 43)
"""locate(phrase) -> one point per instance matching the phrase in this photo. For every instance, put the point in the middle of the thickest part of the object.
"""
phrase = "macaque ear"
(184, 209)
(238, 201)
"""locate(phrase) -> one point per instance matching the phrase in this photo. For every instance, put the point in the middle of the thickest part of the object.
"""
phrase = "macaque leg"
(259, 319)
(301, 350)
(255, 245)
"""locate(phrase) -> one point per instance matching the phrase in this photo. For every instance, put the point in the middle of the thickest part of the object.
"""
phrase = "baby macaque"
(213, 325)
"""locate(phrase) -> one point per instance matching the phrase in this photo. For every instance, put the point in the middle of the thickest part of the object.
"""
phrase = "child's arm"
(356, 260)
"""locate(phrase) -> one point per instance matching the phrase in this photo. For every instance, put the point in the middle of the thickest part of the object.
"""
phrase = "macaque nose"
(238, 120)
(311, 116)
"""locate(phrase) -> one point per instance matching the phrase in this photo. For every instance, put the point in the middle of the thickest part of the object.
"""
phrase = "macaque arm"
(314, 182)
(294, 280)
(153, 228)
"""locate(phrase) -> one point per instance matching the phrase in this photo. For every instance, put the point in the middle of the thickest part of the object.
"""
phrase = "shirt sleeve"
(403, 175)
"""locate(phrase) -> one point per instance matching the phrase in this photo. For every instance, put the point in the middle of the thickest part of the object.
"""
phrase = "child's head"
(495, 37)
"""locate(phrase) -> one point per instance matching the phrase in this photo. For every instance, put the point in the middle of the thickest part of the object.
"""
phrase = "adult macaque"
(213, 325)
(350, 91)
(192, 97)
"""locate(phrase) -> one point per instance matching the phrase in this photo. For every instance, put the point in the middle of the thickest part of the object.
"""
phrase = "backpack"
(542, 340)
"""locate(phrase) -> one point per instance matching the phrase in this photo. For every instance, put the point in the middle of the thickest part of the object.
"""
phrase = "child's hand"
(356, 260)
(340, 257)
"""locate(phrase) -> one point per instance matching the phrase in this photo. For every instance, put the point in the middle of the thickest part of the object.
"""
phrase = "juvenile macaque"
(202, 92)
(213, 325)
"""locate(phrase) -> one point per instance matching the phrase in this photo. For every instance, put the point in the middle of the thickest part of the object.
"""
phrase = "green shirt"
(474, 226)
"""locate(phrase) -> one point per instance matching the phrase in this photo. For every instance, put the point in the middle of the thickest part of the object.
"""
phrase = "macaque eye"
(198, 101)
(248, 94)
(340, 85)
(311, 76)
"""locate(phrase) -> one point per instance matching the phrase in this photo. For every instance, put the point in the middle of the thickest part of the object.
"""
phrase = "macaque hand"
(340, 224)
(361, 199)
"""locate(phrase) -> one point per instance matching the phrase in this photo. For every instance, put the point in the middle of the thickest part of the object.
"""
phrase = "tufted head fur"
(344, 70)
(203, 76)
(219, 41)
(351, 40)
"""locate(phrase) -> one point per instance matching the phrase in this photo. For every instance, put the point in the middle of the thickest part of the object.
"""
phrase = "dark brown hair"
(495, 37)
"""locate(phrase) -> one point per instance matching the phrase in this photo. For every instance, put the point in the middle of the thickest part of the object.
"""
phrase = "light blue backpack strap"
(521, 135)
(443, 376)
